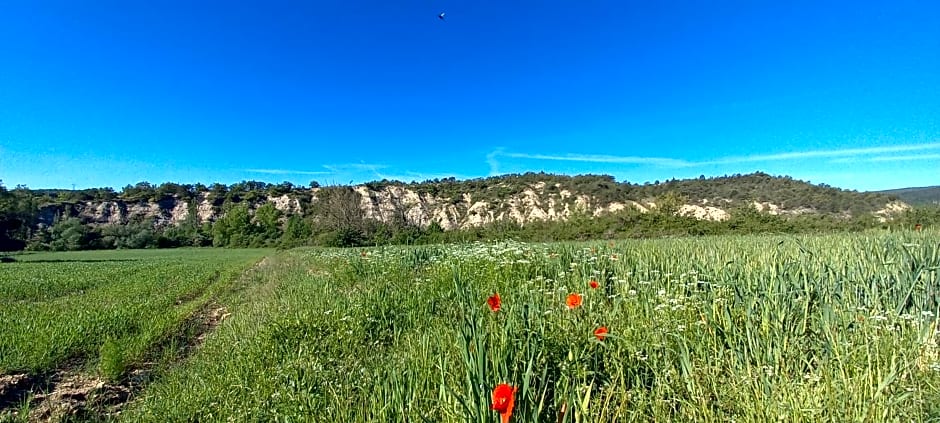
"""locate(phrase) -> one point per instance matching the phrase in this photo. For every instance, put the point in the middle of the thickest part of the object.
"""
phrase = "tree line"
(336, 218)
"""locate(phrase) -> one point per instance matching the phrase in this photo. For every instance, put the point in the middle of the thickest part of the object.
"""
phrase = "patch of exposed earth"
(71, 394)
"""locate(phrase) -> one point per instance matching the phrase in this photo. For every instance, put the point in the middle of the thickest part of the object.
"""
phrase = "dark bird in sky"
(441, 16)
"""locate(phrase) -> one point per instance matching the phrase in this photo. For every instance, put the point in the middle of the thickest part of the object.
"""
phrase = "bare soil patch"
(71, 394)
(79, 397)
(14, 389)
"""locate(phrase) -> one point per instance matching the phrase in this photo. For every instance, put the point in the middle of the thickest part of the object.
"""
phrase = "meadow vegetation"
(104, 310)
(731, 328)
(746, 328)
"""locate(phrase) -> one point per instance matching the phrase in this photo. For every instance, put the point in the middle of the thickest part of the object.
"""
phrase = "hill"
(918, 196)
(258, 213)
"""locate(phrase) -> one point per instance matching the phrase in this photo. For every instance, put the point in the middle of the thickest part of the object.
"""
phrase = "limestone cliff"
(404, 204)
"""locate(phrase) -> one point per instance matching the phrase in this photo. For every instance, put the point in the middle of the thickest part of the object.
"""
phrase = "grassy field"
(104, 310)
(745, 329)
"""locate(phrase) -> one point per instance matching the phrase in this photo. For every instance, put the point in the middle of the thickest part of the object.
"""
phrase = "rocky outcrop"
(118, 212)
(395, 203)
(891, 209)
(703, 212)
(286, 204)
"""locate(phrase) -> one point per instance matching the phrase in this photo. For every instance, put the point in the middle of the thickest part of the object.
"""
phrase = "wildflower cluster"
(504, 394)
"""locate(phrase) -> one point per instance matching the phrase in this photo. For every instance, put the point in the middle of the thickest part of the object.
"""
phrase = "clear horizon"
(108, 94)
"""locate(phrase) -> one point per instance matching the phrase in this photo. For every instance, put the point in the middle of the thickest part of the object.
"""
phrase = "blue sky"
(110, 93)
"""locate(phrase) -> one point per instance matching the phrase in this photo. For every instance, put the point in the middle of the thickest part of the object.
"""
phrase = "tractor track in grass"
(74, 393)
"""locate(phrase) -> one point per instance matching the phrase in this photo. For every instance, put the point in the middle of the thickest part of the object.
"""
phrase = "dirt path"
(71, 393)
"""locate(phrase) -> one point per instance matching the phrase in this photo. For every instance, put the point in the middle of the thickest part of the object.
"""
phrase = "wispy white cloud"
(902, 158)
(493, 162)
(594, 158)
(287, 172)
(845, 155)
(354, 167)
(905, 158)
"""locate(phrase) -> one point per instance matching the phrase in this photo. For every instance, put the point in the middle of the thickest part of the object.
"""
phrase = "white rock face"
(642, 208)
(165, 212)
(703, 212)
(205, 211)
(537, 202)
(769, 208)
(180, 213)
(891, 209)
(107, 212)
(286, 204)
(478, 214)
(447, 217)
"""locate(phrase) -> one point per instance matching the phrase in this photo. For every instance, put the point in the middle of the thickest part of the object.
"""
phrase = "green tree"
(188, 233)
(234, 228)
(18, 215)
(669, 203)
(267, 218)
(141, 191)
(70, 234)
(297, 232)
(132, 235)
(9, 223)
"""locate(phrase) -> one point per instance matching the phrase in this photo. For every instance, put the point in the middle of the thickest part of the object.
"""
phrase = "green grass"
(104, 309)
(735, 328)
(732, 328)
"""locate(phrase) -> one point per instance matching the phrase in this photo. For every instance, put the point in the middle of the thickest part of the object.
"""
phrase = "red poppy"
(504, 397)
(594, 284)
(494, 302)
(600, 333)
(573, 301)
